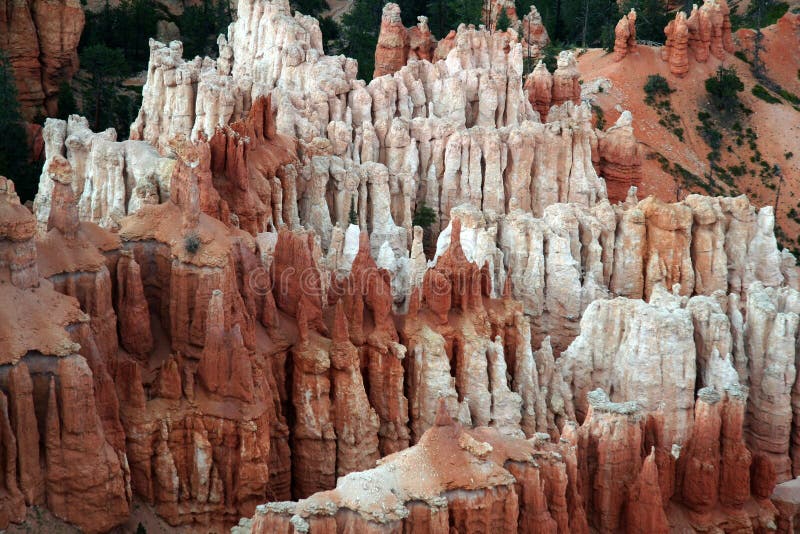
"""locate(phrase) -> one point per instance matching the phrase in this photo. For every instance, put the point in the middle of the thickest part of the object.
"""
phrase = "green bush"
(601, 117)
(352, 216)
(657, 85)
(191, 243)
(724, 87)
(760, 92)
(503, 22)
(424, 216)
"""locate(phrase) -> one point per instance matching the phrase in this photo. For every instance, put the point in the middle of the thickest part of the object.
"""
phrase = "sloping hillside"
(758, 150)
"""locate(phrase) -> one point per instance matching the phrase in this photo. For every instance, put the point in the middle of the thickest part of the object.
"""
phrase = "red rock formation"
(539, 85)
(491, 13)
(699, 463)
(41, 40)
(621, 158)
(17, 248)
(566, 83)
(391, 52)
(314, 438)
(24, 425)
(625, 36)
(84, 480)
(224, 366)
(706, 31)
(12, 503)
(467, 483)
(455, 282)
(134, 315)
(675, 49)
(355, 422)
(396, 44)
(609, 448)
(244, 161)
(644, 512)
(534, 33)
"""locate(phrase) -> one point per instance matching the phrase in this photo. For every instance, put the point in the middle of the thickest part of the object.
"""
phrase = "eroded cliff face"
(41, 40)
(707, 31)
(565, 358)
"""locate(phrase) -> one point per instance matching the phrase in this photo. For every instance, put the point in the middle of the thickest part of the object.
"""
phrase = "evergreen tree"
(360, 28)
(201, 24)
(724, 87)
(424, 217)
(14, 149)
(503, 21)
(353, 215)
(106, 67)
(652, 16)
(66, 101)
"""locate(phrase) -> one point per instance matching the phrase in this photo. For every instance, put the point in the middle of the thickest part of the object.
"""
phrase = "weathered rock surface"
(707, 31)
(625, 36)
(41, 40)
(397, 44)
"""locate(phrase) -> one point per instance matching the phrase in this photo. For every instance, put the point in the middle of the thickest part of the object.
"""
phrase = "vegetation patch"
(760, 92)
(658, 94)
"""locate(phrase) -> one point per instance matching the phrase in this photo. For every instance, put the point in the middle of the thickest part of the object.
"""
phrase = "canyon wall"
(41, 40)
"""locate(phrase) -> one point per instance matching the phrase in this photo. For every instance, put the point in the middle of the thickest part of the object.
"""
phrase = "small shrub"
(788, 155)
(724, 87)
(760, 92)
(424, 216)
(789, 97)
(353, 215)
(741, 55)
(601, 117)
(657, 85)
(191, 243)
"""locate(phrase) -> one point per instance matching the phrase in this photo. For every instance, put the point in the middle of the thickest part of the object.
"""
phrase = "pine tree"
(360, 27)
(14, 149)
(106, 66)
(353, 215)
(503, 22)
(66, 101)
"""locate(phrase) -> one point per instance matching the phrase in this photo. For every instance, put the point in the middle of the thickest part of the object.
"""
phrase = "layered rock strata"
(707, 31)
(41, 40)
(398, 44)
(625, 36)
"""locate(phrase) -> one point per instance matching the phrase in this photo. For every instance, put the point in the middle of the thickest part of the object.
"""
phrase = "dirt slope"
(749, 150)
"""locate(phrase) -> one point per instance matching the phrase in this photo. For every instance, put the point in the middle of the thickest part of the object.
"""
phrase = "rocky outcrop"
(53, 416)
(621, 158)
(625, 36)
(391, 52)
(110, 179)
(675, 51)
(534, 34)
(566, 83)
(41, 40)
(468, 483)
(273, 322)
(707, 31)
(397, 44)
